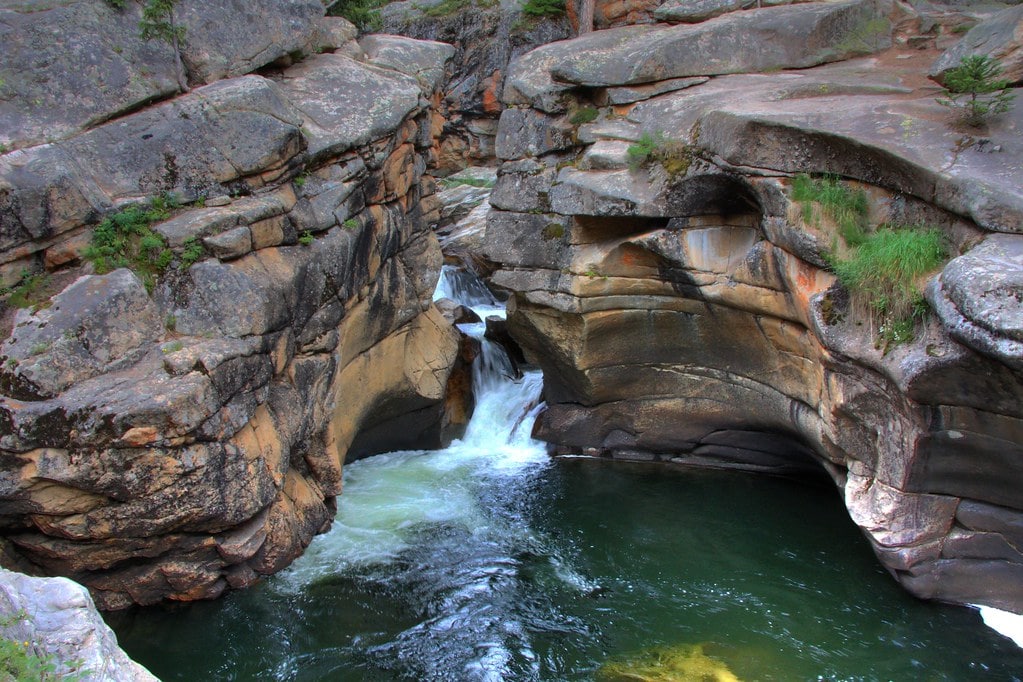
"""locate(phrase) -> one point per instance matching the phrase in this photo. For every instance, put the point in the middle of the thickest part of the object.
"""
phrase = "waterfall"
(388, 499)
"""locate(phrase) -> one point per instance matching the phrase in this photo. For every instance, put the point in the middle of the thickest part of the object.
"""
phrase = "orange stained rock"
(491, 93)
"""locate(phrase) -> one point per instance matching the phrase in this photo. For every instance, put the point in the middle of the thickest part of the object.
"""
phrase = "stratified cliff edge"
(682, 304)
(177, 427)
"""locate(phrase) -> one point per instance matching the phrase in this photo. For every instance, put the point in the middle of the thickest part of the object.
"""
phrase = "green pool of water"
(505, 565)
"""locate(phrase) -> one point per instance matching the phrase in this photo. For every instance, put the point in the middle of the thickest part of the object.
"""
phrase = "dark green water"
(517, 568)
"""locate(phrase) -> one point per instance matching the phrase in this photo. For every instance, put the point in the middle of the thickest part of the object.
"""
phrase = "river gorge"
(238, 408)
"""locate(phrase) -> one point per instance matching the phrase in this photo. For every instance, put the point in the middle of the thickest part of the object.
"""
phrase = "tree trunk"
(586, 11)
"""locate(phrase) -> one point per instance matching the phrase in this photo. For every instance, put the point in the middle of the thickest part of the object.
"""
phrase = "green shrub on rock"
(543, 8)
(975, 90)
(674, 156)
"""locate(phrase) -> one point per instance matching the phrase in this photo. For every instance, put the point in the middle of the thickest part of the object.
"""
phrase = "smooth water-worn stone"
(695, 11)
(758, 40)
(978, 298)
(423, 59)
(58, 618)
(999, 36)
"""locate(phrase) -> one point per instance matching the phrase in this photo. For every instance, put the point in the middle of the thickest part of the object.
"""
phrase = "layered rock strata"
(173, 436)
(682, 307)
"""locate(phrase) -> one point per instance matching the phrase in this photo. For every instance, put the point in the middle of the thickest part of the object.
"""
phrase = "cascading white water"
(390, 501)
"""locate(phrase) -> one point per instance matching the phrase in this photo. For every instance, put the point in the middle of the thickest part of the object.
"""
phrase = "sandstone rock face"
(58, 619)
(683, 311)
(178, 442)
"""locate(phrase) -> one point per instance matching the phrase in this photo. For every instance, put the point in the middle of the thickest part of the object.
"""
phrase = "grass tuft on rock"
(884, 273)
(827, 196)
(674, 156)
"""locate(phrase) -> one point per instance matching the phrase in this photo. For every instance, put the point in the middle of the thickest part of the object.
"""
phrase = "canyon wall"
(173, 421)
(683, 306)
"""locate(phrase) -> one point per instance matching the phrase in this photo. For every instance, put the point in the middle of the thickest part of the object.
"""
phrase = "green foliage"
(640, 151)
(584, 115)
(173, 347)
(827, 195)
(20, 663)
(125, 240)
(975, 90)
(363, 13)
(307, 238)
(447, 8)
(157, 20)
(455, 181)
(28, 292)
(39, 348)
(543, 8)
(300, 180)
(350, 224)
(883, 273)
(676, 157)
(191, 253)
(553, 231)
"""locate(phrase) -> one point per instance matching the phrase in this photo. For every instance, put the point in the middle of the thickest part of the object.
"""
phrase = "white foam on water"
(1003, 622)
(389, 498)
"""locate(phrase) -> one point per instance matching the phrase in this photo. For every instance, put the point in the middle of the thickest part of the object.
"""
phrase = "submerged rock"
(667, 664)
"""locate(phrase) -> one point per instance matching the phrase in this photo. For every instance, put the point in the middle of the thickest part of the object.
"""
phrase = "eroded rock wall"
(682, 307)
(174, 436)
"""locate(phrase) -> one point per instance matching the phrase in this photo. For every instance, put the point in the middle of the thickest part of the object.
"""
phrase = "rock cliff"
(178, 400)
(682, 303)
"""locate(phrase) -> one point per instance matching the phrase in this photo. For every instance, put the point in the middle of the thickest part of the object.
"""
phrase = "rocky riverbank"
(682, 303)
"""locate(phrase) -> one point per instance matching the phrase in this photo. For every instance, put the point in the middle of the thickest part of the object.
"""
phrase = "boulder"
(97, 52)
(86, 48)
(695, 11)
(345, 104)
(423, 59)
(978, 298)
(226, 38)
(98, 324)
(59, 621)
(759, 40)
(1000, 37)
